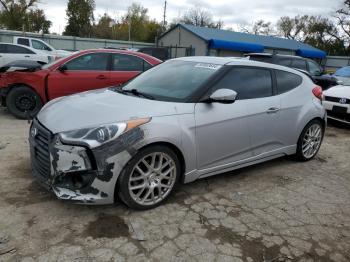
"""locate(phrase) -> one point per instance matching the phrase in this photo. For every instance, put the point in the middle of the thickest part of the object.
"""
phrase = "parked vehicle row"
(185, 119)
(307, 65)
(12, 52)
(24, 92)
(40, 45)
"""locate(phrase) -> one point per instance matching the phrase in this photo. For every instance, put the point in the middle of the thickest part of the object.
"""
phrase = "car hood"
(345, 80)
(103, 106)
(340, 91)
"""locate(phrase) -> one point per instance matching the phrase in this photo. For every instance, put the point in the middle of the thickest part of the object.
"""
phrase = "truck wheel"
(23, 102)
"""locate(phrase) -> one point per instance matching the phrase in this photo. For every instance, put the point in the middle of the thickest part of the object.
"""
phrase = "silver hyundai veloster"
(185, 119)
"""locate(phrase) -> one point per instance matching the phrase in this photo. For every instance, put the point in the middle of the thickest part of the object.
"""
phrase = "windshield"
(174, 80)
(345, 72)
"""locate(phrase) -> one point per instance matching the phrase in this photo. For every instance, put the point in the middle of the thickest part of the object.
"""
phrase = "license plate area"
(339, 109)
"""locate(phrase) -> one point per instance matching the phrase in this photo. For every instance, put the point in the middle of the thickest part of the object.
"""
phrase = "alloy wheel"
(312, 140)
(152, 178)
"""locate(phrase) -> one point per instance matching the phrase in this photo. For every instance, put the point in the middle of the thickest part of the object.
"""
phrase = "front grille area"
(341, 116)
(41, 153)
(336, 99)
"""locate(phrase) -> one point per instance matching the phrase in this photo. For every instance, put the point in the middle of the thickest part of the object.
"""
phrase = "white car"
(337, 103)
(11, 52)
(41, 46)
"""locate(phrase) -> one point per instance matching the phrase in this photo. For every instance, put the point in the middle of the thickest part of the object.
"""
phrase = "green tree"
(105, 28)
(22, 14)
(80, 14)
(137, 22)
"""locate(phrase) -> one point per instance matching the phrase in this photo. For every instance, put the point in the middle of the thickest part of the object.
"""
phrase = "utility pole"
(164, 15)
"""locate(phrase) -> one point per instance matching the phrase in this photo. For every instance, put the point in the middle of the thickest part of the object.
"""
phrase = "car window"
(121, 62)
(40, 45)
(314, 69)
(284, 61)
(14, 49)
(287, 81)
(265, 59)
(3, 48)
(23, 41)
(89, 62)
(299, 63)
(247, 82)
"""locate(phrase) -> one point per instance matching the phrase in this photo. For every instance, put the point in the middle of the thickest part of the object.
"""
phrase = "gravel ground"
(281, 210)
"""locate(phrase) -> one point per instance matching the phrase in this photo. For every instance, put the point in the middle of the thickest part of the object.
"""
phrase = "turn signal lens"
(136, 122)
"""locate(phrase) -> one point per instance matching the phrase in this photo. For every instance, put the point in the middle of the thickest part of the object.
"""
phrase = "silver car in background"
(185, 119)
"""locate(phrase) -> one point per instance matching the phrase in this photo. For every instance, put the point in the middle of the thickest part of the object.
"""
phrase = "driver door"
(83, 73)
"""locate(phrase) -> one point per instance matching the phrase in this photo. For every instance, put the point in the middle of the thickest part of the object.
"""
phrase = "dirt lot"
(278, 211)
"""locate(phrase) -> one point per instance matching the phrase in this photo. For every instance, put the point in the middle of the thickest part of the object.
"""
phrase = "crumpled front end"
(75, 172)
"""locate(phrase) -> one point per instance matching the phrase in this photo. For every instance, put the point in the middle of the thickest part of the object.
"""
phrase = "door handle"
(101, 77)
(272, 110)
(27, 56)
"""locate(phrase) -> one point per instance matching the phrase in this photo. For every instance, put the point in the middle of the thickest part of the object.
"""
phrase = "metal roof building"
(194, 40)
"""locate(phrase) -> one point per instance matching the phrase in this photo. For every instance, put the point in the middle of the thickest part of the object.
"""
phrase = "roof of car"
(211, 59)
(273, 55)
(237, 61)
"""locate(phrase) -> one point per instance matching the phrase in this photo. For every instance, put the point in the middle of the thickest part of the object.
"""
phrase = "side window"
(314, 69)
(287, 81)
(23, 41)
(14, 49)
(247, 82)
(146, 66)
(3, 48)
(284, 62)
(121, 62)
(89, 62)
(40, 45)
(299, 63)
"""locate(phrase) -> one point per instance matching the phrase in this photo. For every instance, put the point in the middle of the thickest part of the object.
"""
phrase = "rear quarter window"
(287, 81)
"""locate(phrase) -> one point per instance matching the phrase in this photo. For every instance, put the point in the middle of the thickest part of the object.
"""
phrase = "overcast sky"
(232, 12)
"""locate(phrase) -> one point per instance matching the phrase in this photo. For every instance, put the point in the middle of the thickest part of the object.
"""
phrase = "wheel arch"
(169, 145)
(16, 85)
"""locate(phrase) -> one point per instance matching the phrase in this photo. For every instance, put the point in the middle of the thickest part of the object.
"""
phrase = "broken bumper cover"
(77, 173)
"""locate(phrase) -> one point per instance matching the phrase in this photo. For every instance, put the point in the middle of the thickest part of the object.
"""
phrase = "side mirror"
(62, 68)
(225, 96)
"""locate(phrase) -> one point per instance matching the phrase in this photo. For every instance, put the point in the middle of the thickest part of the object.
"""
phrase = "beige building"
(185, 40)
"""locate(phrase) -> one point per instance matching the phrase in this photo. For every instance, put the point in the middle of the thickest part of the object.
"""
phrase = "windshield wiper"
(135, 92)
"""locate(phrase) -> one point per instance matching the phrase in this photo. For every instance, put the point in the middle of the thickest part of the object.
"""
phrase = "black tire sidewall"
(299, 153)
(122, 189)
(11, 102)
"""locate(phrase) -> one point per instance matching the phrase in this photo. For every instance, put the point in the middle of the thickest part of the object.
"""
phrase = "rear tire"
(23, 102)
(149, 178)
(310, 140)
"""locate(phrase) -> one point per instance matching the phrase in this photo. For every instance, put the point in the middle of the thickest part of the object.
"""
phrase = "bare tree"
(292, 28)
(199, 17)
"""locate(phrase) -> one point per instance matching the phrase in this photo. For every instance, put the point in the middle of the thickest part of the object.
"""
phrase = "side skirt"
(197, 174)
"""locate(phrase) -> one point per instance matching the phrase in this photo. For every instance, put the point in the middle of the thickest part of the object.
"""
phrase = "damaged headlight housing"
(100, 135)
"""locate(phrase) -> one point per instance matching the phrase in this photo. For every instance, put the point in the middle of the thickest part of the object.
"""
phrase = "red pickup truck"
(24, 92)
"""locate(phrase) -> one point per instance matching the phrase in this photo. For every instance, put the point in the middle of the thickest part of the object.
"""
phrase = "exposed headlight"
(94, 137)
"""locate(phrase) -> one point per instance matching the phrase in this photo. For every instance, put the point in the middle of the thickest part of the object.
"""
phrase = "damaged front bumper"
(78, 173)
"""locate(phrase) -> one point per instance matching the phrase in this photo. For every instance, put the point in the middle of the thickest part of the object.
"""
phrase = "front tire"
(23, 102)
(149, 178)
(310, 140)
